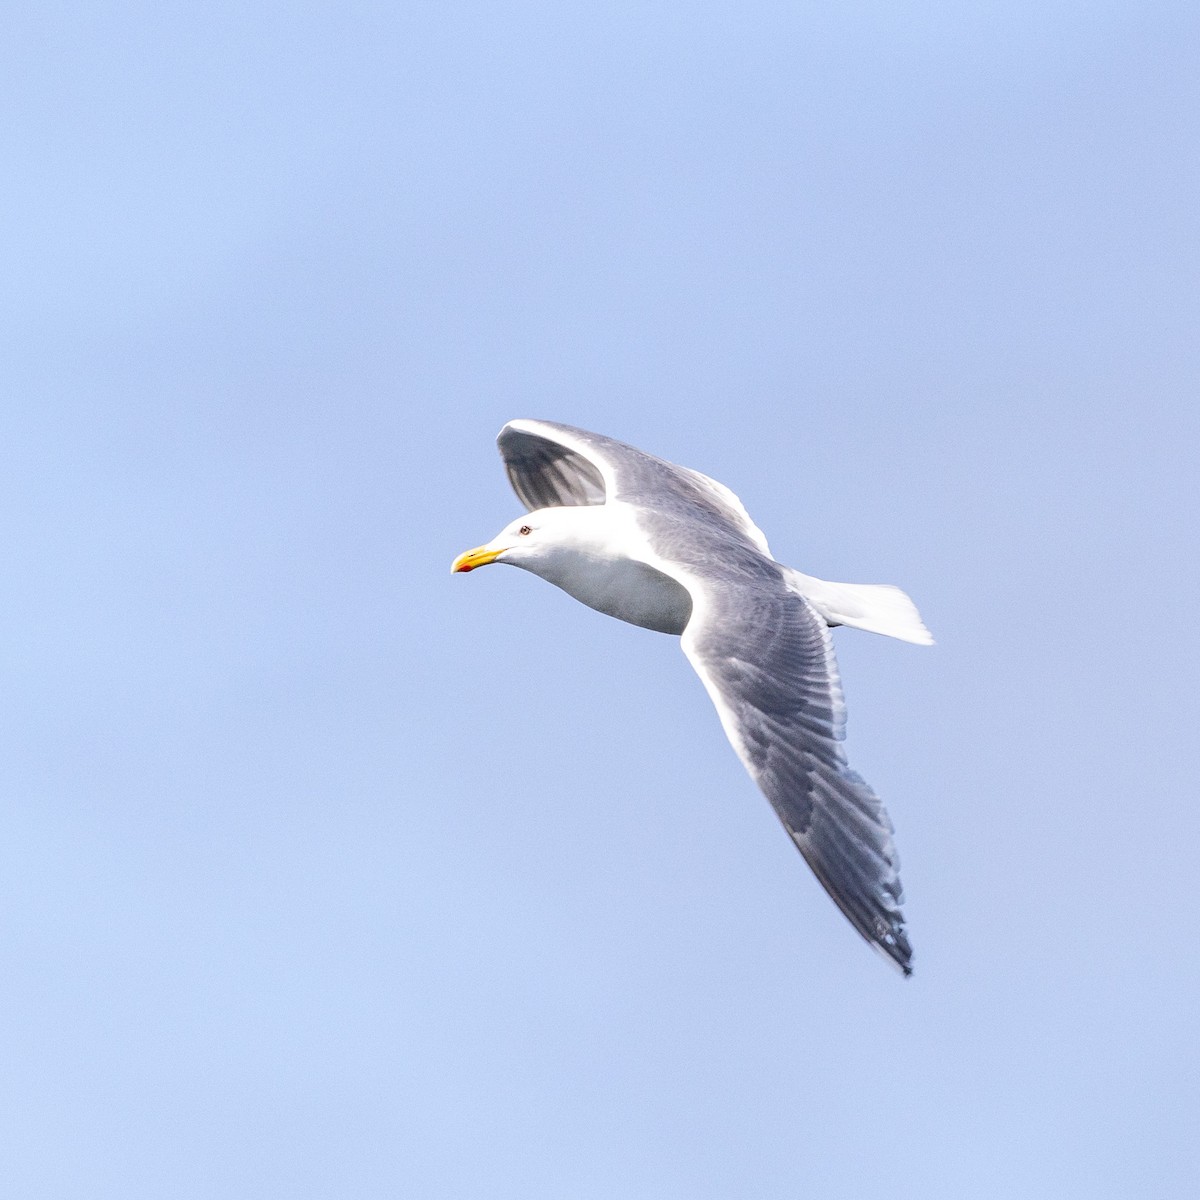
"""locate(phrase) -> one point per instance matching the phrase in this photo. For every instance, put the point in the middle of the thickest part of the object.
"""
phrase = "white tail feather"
(876, 607)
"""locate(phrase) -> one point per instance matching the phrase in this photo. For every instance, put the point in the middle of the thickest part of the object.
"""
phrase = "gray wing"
(767, 661)
(547, 473)
(552, 465)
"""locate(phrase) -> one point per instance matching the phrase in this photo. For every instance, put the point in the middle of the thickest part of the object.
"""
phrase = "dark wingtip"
(893, 943)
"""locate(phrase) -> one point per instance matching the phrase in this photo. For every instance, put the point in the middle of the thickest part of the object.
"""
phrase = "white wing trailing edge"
(737, 510)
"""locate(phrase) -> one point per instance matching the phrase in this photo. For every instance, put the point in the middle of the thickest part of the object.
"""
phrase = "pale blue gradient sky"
(324, 874)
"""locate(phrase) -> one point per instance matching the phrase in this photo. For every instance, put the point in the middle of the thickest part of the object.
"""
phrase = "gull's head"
(537, 540)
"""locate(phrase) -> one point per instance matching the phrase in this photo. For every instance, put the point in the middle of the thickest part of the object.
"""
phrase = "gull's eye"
(525, 530)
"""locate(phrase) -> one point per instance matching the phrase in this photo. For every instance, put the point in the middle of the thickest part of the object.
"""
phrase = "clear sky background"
(326, 874)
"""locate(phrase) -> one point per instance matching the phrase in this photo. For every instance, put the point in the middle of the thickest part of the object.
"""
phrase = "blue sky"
(325, 874)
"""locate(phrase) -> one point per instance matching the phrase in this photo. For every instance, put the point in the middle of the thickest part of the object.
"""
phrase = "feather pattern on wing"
(767, 661)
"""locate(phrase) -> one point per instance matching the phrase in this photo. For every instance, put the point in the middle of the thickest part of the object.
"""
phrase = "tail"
(876, 607)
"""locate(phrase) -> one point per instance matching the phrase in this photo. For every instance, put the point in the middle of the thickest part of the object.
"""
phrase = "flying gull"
(669, 549)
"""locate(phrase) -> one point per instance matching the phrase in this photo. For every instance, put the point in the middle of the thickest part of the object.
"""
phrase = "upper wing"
(767, 661)
(551, 465)
(547, 472)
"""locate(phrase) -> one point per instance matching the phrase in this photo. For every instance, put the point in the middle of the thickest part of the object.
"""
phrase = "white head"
(592, 553)
(541, 540)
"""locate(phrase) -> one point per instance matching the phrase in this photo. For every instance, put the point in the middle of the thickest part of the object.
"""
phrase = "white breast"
(597, 558)
(628, 590)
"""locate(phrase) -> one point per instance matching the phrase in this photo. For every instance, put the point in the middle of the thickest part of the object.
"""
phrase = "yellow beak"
(479, 557)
